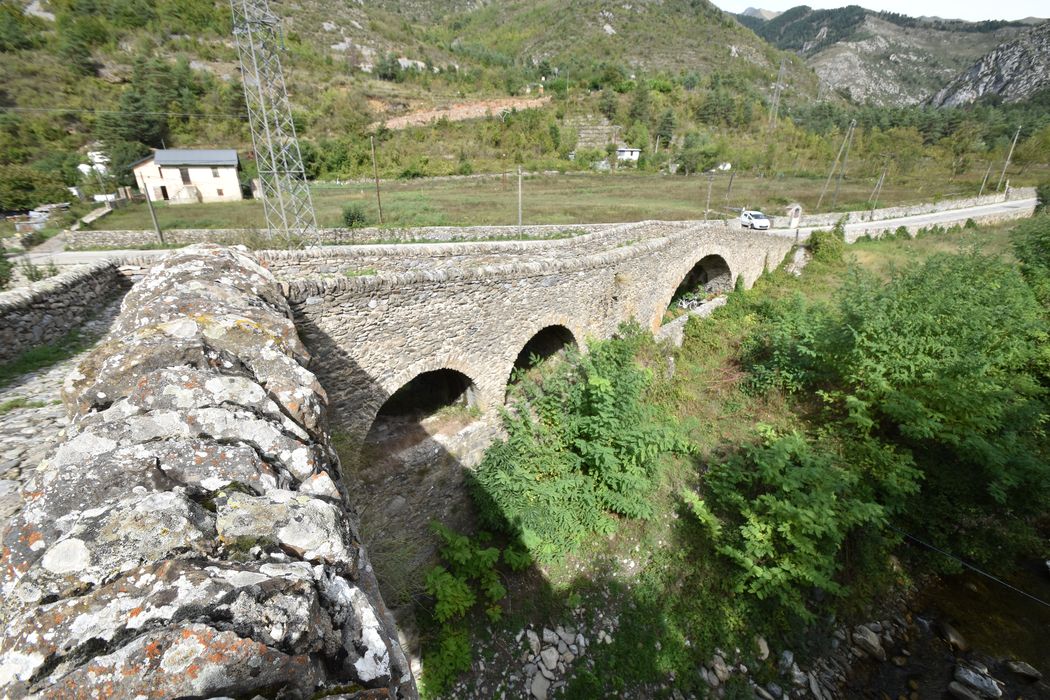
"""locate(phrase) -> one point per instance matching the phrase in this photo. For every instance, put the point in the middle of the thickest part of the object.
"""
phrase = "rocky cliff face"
(191, 536)
(1014, 71)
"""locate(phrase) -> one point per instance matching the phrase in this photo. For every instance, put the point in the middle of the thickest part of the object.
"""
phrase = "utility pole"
(519, 196)
(985, 180)
(842, 148)
(1008, 157)
(375, 174)
(287, 204)
(877, 191)
(710, 184)
(845, 162)
(153, 215)
(774, 105)
(729, 189)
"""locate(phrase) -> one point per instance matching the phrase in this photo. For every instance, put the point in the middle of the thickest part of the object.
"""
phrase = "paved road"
(944, 217)
(952, 216)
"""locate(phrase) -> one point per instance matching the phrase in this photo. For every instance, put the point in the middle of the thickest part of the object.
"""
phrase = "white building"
(188, 176)
(627, 154)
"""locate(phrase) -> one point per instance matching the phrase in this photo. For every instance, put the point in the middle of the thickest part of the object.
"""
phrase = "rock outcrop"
(191, 536)
(1014, 71)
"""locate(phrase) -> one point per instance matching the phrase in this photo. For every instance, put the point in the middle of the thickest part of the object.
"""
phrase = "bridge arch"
(544, 344)
(416, 395)
(710, 274)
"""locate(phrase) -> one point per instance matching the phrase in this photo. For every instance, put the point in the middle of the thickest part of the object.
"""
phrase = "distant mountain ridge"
(883, 57)
(1012, 71)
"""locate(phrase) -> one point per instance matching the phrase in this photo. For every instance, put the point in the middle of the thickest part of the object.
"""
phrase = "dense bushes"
(6, 271)
(782, 511)
(945, 365)
(583, 447)
(1031, 242)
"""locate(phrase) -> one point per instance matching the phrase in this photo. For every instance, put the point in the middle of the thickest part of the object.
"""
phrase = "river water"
(998, 625)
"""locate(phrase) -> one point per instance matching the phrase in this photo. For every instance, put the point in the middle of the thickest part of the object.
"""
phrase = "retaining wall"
(809, 220)
(191, 537)
(46, 310)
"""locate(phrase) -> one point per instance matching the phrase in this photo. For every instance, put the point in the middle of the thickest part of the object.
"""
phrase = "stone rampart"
(191, 537)
(128, 239)
(46, 310)
(370, 335)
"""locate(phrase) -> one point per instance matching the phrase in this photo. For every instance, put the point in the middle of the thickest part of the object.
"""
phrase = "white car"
(754, 219)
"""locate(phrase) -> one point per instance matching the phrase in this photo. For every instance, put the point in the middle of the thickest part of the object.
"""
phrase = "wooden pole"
(519, 196)
(835, 165)
(375, 174)
(153, 215)
(710, 184)
(1008, 157)
(729, 189)
(985, 180)
(845, 162)
(876, 192)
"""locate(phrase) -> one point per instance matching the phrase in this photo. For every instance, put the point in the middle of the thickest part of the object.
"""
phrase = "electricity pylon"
(286, 198)
(774, 105)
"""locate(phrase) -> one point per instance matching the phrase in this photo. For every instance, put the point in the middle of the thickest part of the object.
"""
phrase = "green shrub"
(782, 511)
(354, 216)
(946, 364)
(468, 574)
(829, 246)
(582, 445)
(1031, 244)
(1042, 194)
(6, 271)
(970, 224)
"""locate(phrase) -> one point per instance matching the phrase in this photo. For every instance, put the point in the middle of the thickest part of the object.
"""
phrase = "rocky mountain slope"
(1012, 71)
(881, 57)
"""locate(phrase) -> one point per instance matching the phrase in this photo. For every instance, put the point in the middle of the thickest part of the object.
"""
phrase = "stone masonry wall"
(46, 310)
(121, 239)
(190, 536)
(911, 209)
(371, 335)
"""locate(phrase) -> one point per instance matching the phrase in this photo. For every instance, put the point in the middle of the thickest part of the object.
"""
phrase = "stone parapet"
(46, 310)
(132, 239)
(191, 536)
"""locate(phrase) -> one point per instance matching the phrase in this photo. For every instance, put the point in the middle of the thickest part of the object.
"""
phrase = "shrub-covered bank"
(762, 489)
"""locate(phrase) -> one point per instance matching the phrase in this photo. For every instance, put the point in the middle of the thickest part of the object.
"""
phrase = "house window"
(219, 192)
(185, 172)
(215, 172)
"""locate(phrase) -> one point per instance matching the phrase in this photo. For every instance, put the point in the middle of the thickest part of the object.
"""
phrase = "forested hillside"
(680, 80)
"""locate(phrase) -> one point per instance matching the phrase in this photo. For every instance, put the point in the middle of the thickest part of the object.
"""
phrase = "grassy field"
(562, 199)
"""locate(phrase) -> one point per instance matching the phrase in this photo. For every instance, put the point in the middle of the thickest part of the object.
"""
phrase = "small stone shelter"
(189, 176)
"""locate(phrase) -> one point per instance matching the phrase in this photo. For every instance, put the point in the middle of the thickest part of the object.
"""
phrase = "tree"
(134, 120)
(665, 131)
(698, 153)
(608, 104)
(17, 29)
(23, 188)
(122, 155)
(640, 104)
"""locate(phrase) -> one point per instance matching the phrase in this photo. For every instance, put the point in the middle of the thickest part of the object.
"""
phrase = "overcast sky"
(949, 9)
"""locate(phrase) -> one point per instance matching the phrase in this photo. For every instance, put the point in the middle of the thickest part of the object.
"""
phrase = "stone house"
(189, 176)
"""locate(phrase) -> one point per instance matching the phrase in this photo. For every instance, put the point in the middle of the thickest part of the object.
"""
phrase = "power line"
(1015, 589)
(66, 110)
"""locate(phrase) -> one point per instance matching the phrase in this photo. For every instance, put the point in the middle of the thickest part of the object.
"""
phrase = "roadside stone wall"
(191, 537)
(46, 310)
(371, 335)
(912, 209)
(124, 239)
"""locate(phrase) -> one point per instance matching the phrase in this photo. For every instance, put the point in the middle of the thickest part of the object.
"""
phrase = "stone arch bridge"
(376, 317)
